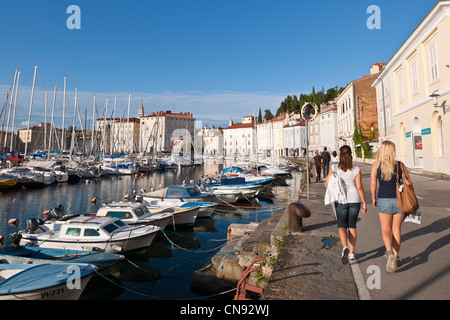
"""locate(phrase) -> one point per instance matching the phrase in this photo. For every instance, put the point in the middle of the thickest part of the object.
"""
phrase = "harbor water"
(165, 269)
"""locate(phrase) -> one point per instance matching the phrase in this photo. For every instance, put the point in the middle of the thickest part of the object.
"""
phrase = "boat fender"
(13, 222)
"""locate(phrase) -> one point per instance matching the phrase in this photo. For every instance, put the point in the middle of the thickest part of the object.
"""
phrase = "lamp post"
(443, 105)
(308, 112)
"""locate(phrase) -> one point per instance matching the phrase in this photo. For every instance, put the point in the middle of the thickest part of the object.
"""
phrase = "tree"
(268, 115)
(260, 116)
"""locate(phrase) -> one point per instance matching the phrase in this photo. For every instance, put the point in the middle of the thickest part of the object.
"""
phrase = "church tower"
(141, 110)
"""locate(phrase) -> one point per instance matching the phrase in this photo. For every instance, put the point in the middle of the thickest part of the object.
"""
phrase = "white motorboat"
(134, 213)
(47, 281)
(86, 232)
(175, 195)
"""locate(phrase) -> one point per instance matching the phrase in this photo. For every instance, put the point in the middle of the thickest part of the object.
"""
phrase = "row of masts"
(49, 136)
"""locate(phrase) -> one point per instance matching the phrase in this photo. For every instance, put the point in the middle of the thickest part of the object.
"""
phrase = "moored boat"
(87, 233)
(44, 281)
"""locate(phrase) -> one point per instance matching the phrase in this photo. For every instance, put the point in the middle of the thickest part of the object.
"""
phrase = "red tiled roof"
(241, 125)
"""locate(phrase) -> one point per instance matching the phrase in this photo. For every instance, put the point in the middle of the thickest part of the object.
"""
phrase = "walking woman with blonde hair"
(384, 174)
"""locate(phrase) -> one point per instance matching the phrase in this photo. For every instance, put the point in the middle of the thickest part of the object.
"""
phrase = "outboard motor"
(55, 214)
(15, 239)
(32, 225)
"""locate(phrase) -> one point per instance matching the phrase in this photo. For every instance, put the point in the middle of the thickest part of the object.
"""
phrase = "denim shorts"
(347, 214)
(388, 205)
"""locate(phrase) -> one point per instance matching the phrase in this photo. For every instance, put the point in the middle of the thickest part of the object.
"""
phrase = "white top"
(334, 159)
(349, 179)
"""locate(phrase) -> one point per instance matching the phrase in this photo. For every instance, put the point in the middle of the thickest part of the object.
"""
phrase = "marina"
(164, 269)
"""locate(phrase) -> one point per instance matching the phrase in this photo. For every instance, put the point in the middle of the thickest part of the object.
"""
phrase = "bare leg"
(386, 229)
(343, 236)
(351, 240)
(396, 232)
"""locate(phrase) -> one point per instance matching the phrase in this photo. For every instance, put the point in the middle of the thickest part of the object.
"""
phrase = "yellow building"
(408, 115)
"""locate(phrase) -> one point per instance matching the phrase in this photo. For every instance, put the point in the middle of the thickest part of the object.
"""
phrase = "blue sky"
(215, 58)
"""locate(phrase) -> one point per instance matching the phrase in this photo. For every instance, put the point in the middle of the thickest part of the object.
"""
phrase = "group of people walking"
(323, 161)
(384, 175)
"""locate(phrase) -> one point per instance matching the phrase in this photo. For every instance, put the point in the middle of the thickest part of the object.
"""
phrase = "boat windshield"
(139, 212)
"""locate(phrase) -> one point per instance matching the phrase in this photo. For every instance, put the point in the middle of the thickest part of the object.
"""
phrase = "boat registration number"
(52, 293)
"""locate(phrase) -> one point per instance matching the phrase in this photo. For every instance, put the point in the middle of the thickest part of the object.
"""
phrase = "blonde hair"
(385, 157)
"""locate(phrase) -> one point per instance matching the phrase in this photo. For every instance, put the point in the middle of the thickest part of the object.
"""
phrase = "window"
(139, 212)
(433, 62)
(414, 79)
(73, 232)
(401, 91)
(91, 233)
(110, 227)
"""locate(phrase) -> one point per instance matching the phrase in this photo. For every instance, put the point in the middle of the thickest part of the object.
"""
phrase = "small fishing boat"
(178, 194)
(87, 233)
(205, 208)
(52, 281)
(7, 181)
(135, 213)
(27, 255)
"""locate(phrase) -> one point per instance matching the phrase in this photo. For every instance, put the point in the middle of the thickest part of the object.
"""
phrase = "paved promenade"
(309, 264)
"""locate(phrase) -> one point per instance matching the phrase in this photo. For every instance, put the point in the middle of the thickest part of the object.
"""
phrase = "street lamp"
(309, 112)
(435, 96)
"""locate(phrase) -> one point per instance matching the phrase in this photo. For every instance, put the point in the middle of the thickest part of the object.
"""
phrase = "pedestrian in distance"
(326, 158)
(317, 163)
(347, 214)
(384, 176)
(334, 160)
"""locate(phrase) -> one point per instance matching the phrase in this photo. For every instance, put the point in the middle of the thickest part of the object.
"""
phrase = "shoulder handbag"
(406, 197)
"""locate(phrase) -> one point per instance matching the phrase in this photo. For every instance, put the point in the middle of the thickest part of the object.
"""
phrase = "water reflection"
(164, 271)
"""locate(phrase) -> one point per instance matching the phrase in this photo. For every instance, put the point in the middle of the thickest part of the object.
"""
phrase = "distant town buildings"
(406, 100)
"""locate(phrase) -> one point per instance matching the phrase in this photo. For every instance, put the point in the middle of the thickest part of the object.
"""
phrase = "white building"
(212, 141)
(407, 113)
(328, 123)
(270, 136)
(240, 138)
(159, 129)
(294, 136)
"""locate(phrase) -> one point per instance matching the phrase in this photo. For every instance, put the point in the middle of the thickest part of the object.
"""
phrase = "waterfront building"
(212, 141)
(39, 137)
(270, 139)
(328, 124)
(159, 129)
(146, 133)
(357, 108)
(240, 139)
(294, 137)
(406, 110)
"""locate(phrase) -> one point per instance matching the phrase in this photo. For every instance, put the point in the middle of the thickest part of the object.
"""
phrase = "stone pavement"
(309, 264)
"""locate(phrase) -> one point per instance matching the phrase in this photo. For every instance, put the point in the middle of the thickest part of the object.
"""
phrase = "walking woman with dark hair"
(347, 214)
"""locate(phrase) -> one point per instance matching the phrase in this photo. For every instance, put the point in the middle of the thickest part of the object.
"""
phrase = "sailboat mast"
(29, 113)
(51, 124)
(10, 107)
(45, 122)
(63, 137)
(14, 112)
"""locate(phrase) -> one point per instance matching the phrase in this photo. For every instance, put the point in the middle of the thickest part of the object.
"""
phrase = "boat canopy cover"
(176, 191)
(230, 169)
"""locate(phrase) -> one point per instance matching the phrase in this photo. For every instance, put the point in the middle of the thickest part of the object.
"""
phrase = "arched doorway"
(417, 144)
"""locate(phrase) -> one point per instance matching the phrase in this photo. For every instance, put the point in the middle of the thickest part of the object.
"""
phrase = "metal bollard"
(297, 211)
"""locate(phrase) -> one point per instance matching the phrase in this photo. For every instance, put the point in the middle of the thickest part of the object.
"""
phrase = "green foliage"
(294, 103)
(260, 116)
(268, 115)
